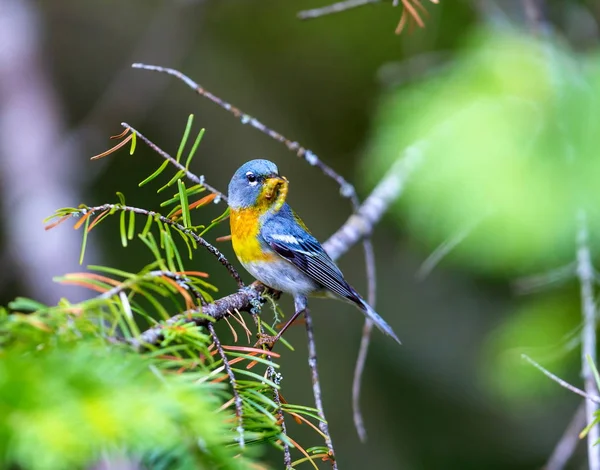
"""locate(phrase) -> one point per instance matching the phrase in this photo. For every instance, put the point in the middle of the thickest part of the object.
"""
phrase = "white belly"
(282, 276)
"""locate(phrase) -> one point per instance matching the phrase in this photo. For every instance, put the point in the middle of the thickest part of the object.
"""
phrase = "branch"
(197, 238)
(561, 382)
(389, 189)
(356, 227)
(568, 442)
(585, 273)
(333, 8)
(312, 363)
(189, 175)
(346, 189)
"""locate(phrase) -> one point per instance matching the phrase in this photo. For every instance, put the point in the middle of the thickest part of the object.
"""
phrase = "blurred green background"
(509, 127)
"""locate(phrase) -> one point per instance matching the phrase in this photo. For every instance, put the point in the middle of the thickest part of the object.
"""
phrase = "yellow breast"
(244, 232)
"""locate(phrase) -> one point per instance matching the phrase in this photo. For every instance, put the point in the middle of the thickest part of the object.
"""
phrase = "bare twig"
(239, 405)
(585, 273)
(312, 363)
(535, 12)
(188, 174)
(387, 190)
(359, 369)
(333, 8)
(346, 189)
(568, 442)
(445, 248)
(364, 342)
(561, 382)
(537, 282)
(165, 220)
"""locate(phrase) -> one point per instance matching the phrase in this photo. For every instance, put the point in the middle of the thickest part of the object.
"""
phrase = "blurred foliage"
(76, 385)
(508, 135)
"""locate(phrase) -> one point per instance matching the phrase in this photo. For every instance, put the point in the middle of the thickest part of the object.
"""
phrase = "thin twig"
(568, 442)
(365, 340)
(239, 405)
(333, 8)
(346, 189)
(201, 241)
(390, 187)
(188, 174)
(535, 12)
(561, 382)
(446, 247)
(538, 282)
(312, 363)
(357, 380)
(585, 273)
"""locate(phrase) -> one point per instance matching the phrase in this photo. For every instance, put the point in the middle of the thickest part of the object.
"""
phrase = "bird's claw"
(267, 340)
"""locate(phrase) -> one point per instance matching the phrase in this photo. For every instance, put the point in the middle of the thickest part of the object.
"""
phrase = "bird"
(275, 246)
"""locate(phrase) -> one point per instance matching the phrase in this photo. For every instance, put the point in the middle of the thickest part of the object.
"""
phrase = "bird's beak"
(275, 179)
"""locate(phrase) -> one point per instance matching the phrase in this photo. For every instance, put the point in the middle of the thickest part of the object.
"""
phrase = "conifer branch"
(197, 238)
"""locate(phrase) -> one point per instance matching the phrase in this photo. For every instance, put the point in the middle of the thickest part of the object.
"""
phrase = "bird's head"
(257, 184)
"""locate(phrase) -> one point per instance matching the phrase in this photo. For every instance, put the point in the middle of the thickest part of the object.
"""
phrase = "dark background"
(437, 402)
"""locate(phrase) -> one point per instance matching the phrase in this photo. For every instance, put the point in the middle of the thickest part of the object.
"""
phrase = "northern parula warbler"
(275, 246)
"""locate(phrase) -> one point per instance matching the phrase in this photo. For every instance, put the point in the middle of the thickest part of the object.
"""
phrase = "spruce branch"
(106, 208)
(188, 174)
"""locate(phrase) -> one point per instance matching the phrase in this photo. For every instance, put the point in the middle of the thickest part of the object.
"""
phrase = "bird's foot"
(267, 340)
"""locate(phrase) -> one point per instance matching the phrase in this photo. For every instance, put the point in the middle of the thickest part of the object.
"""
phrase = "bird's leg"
(299, 306)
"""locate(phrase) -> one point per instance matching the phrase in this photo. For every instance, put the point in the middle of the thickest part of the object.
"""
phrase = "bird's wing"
(306, 253)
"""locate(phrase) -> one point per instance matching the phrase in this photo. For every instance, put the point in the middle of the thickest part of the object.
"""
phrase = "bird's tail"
(376, 318)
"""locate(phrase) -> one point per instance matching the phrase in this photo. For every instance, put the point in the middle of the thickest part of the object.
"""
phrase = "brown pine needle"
(122, 134)
(189, 303)
(227, 404)
(301, 449)
(97, 277)
(113, 149)
(97, 219)
(192, 273)
(241, 321)
(410, 15)
(301, 419)
(82, 220)
(251, 350)
(87, 285)
(233, 332)
(57, 222)
(202, 202)
(199, 203)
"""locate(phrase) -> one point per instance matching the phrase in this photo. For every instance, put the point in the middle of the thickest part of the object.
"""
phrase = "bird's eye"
(251, 177)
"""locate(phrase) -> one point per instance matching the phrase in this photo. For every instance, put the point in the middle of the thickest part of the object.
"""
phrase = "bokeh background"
(454, 396)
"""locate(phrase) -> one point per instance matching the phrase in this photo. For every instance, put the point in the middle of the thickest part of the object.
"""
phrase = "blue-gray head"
(255, 181)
